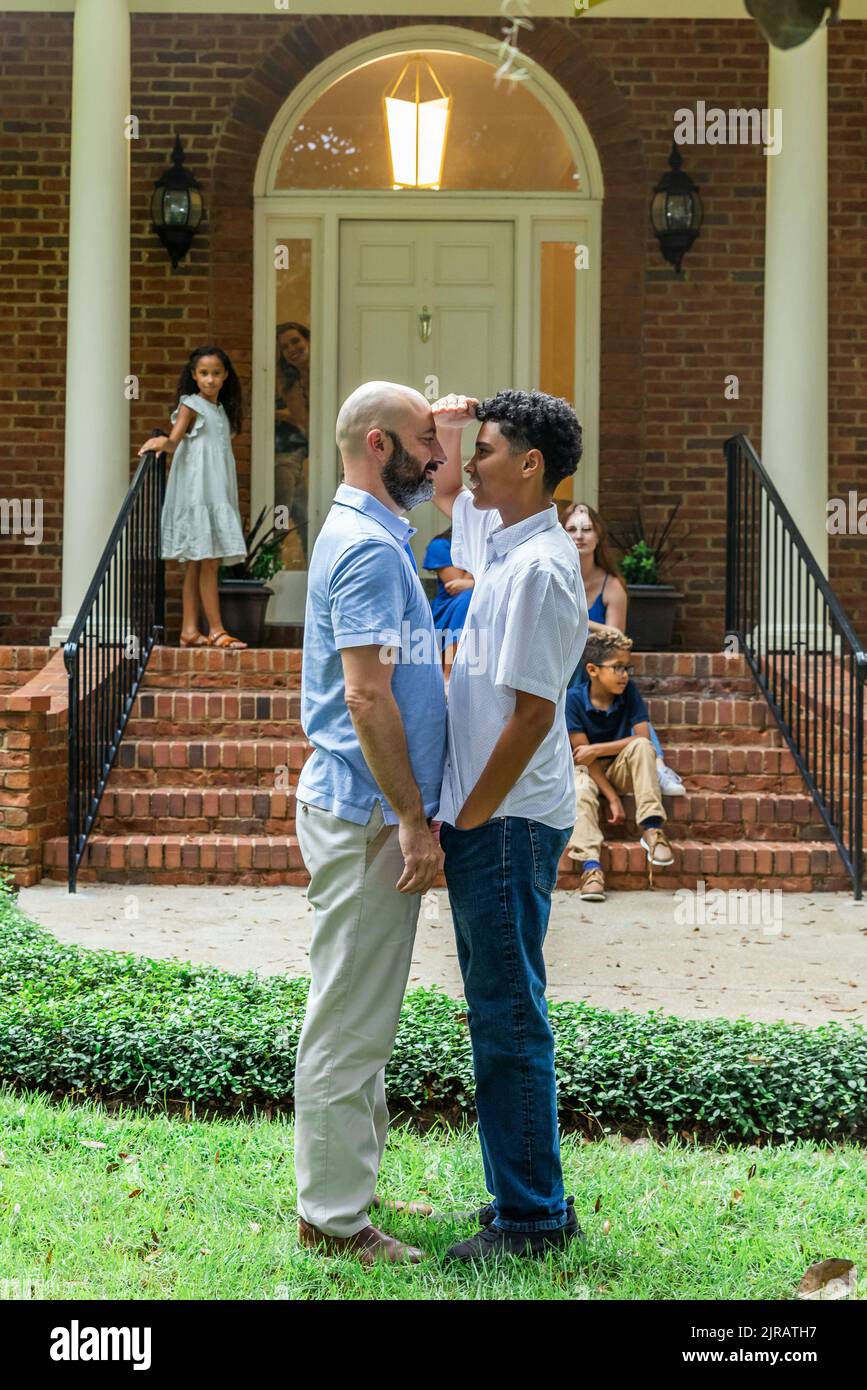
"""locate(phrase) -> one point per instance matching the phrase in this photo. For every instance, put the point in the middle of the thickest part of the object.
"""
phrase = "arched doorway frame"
(318, 213)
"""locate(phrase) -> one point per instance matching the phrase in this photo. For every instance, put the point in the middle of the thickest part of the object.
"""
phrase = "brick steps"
(261, 810)
(200, 709)
(672, 734)
(212, 761)
(276, 859)
(696, 686)
(225, 713)
(173, 668)
(706, 712)
(209, 761)
(734, 768)
(244, 859)
(280, 668)
(203, 791)
(791, 867)
(183, 810)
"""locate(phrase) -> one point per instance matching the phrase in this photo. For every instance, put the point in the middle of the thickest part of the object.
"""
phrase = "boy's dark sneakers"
(490, 1243)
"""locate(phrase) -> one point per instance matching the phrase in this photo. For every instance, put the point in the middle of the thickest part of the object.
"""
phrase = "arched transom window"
(427, 119)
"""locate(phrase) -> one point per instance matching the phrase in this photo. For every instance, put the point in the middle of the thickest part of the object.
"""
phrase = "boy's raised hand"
(454, 412)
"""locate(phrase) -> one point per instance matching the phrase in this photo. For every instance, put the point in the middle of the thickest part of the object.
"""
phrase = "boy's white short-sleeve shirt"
(525, 629)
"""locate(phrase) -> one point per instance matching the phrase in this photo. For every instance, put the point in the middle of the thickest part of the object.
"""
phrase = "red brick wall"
(33, 758)
(667, 343)
(35, 90)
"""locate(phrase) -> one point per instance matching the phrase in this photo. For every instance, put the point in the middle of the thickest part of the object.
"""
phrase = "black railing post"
(796, 606)
(71, 660)
(857, 791)
(119, 622)
(160, 604)
(732, 535)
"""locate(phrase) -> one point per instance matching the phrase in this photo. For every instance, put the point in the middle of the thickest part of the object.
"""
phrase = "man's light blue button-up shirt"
(363, 591)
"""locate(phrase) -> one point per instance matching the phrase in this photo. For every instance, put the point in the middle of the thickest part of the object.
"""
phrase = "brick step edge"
(233, 802)
(259, 821)
(277, 859)
(263, 827)
(167, 657)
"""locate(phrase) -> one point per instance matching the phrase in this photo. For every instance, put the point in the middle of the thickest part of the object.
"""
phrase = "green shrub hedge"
(125, 1027)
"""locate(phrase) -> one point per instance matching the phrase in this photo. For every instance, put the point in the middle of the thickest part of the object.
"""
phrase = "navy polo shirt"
(604, 725)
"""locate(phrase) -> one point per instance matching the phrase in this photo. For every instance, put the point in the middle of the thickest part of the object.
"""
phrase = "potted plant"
(244, 589)
(652, 602)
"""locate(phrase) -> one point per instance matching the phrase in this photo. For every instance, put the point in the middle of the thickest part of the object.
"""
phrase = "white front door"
(428, 304)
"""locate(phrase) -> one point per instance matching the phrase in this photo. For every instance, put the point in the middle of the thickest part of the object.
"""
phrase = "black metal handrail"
(800, 646)
(121, 618)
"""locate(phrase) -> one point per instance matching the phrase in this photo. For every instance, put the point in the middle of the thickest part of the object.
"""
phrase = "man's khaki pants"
(633, 770)
(363, 934)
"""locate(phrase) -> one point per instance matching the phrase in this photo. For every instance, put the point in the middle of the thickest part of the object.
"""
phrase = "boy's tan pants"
(360, 955)
(634, 769)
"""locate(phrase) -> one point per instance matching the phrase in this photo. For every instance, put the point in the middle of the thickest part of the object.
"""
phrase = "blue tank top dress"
(595, 614)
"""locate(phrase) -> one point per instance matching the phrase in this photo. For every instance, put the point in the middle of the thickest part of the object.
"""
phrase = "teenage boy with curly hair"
(608, 728)
(507, 805)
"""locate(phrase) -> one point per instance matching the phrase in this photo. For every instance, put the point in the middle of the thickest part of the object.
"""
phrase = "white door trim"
(318, 216)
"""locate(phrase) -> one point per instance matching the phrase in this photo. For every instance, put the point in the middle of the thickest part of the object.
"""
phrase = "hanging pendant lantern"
(416, 127)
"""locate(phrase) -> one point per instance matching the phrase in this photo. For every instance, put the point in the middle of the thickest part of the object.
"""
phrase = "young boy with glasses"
(608, 729)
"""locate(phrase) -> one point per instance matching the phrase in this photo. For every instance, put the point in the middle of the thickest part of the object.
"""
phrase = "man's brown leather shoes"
(367, 1245)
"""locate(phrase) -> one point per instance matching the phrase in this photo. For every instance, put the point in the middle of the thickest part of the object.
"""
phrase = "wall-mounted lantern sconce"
(787, 23)
(676, 211)
(176, 206)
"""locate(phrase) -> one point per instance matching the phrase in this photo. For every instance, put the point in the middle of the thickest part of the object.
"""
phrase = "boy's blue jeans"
(500, 879)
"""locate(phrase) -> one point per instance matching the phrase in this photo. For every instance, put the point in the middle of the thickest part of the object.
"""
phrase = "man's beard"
(400, 477)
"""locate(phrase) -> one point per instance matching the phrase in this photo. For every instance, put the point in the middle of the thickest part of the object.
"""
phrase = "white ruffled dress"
(201, 519)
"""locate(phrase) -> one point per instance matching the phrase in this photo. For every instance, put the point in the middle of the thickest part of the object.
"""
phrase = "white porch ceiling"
(608, 9)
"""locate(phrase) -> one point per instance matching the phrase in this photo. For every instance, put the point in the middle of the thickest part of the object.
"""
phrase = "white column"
(97, 449)
(795, 388)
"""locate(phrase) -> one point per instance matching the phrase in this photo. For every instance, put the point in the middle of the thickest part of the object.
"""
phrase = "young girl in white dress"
(201, 523)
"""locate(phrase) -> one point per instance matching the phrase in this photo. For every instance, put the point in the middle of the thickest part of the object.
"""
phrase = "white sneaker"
(669, 782)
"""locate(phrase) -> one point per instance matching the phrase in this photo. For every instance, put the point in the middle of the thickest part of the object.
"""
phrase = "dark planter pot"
(650, 616)
(242, 605)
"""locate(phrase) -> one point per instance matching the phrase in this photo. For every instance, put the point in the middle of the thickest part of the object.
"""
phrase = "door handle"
(424, 323)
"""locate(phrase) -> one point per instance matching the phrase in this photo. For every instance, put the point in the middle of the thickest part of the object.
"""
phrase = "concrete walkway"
(798, 957)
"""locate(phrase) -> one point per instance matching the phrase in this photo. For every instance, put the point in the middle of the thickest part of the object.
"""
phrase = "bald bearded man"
(373, 707)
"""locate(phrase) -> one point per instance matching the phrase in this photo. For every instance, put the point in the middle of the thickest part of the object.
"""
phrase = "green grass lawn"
(124, 1205)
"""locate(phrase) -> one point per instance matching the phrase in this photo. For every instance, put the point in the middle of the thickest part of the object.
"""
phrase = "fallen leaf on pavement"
(828, 1279)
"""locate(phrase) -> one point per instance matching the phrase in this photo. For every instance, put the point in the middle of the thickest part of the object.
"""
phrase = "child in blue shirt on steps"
(608, 728)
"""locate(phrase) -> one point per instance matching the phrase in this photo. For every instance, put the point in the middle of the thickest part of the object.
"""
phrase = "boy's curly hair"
(533, 420)
(602, 647)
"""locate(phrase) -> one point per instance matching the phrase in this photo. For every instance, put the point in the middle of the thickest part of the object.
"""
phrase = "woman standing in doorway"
(292, 424)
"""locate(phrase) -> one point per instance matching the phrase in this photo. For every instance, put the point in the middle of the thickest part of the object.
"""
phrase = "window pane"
(499, 136)
(557, 336)
(292, 400)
